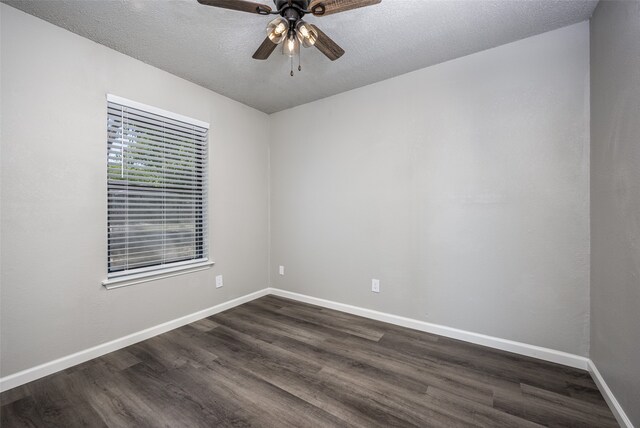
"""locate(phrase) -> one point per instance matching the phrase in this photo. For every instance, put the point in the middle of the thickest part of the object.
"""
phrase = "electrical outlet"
(375, 285)
(219, 282)
(281, 270)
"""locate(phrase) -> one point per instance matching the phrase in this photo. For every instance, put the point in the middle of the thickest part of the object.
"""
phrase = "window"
(157, 191)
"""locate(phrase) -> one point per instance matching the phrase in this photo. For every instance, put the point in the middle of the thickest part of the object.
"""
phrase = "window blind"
(157, 189)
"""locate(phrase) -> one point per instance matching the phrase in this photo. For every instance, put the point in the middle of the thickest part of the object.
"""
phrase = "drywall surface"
(463, 188)
(615, 199)
(54, 247)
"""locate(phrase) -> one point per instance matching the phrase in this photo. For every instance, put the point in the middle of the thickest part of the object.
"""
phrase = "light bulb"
(306, 34)
(277, 29)
(291, 46)
(280, 28)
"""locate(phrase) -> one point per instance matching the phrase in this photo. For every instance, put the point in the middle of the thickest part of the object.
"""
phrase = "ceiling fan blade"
(265, 49)
(327, 46)
(329, 7)
(241, 5)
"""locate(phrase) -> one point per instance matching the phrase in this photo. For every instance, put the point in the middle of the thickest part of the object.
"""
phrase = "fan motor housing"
(302, 4)
(292, 10)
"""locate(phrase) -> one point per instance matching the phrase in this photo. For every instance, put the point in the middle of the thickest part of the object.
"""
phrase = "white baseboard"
(546, 354)
(611, 400)
(51, 367)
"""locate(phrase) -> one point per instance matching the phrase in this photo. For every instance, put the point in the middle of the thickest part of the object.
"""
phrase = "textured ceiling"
(213, 47)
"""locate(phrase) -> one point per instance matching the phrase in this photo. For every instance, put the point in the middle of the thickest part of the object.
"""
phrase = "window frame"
(123, 278)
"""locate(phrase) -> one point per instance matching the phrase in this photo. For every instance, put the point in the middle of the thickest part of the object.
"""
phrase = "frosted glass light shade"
(291, 46)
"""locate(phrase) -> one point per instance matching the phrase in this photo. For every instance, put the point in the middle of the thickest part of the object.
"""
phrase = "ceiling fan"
(289, 28)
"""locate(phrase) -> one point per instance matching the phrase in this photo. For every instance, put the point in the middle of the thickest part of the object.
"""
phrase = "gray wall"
(615, 199)
(463, 187)
(53, 191)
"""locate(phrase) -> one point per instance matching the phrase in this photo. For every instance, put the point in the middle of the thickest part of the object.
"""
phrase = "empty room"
(320, 213)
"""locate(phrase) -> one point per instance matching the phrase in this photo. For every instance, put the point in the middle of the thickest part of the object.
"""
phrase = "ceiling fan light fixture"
(289, 29)
(277, 30)
(306, 35)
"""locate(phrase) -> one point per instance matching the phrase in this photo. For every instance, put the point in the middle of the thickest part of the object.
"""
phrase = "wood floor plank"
(430, 374)
(239, 344)
(269, 301)
(547, 413)
(586, 393)
(173, 401)
(474, 358)
(297, 329)
(351, 346)
(107, 392)
(478, 414)
(59, 404)
(392, 400)
(120, 359)
(278, 362)
(22, 412)
(352, 409)
(342, 400)
(358, 320)
(325, 355)
(204, 324)
(271, 406)
(14, 394)
(474, 385)
(518, 362)
(586, 408)
(327, 320)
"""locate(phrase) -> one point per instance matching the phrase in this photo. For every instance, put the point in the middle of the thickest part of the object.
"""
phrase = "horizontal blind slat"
(116, 108)
(116, 240)
(116, 111)
(116, 161)
(131, 138)
(133, 133)
(120, 147)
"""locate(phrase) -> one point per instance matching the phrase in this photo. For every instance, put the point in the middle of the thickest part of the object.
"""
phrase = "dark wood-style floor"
(276, 363)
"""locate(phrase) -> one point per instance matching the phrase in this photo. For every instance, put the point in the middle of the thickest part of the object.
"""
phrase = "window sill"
(139, 278)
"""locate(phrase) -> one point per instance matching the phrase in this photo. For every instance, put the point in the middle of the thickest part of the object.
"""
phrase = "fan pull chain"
(291, 65)
(299, 61)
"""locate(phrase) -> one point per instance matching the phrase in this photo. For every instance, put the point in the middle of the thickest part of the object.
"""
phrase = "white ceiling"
(213, 47)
